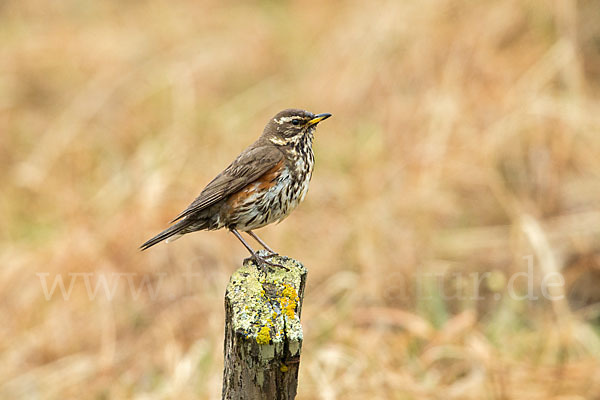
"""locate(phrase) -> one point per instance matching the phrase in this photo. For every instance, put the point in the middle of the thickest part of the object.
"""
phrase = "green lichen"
(265, 304)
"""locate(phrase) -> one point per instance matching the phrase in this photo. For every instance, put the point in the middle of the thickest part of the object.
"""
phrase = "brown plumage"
(262, 185)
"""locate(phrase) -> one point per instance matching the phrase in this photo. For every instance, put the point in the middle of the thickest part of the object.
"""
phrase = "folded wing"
(247, 168)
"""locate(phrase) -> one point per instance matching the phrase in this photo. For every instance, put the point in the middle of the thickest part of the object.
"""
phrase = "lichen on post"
(263, 334)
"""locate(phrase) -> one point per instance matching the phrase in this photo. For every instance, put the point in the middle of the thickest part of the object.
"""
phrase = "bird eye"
(295, 122)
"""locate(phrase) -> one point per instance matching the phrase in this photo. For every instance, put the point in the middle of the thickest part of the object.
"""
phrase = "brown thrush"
(262, 185)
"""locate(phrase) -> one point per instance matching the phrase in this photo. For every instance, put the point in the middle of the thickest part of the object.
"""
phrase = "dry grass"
(464, 138)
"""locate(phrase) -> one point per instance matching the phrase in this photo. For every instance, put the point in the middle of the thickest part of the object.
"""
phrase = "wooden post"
(263, 335)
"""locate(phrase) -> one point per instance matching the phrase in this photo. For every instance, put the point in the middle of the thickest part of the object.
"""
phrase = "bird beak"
(318, 118)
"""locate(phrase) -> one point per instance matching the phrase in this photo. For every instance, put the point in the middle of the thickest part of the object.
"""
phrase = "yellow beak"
(318, 118)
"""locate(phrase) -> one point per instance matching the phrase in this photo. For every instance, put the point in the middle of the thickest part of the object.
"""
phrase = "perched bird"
(262, 185)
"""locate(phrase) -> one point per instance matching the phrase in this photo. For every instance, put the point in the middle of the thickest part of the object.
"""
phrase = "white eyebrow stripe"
(285, 119)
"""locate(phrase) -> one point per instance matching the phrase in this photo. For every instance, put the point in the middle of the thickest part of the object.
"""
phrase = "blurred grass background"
(465, 141)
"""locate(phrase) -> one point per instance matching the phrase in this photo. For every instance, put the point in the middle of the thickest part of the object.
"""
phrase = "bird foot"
(263, 263)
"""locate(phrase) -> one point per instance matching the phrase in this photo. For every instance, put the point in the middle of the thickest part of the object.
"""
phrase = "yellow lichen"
(289, 292)
(263, 336)
(289, 300)
(283, 368)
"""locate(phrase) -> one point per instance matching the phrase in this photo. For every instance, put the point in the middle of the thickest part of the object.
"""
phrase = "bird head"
(291, 126)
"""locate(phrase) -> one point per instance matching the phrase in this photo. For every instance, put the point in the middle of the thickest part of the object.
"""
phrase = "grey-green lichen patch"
(265, 304)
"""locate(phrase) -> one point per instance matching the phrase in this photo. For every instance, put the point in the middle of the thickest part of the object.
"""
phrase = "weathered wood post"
(263, 335)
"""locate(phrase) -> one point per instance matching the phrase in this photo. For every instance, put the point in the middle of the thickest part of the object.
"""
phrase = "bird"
(264, 184)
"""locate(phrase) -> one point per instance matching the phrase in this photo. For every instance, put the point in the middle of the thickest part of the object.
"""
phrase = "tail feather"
(172, 233)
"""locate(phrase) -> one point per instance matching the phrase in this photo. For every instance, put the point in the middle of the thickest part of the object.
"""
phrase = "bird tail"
(171, 233)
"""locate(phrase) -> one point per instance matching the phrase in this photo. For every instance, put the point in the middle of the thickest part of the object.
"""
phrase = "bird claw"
(262, 262)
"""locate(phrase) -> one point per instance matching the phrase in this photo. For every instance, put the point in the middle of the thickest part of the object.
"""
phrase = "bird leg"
(260, 260)
(262, 243)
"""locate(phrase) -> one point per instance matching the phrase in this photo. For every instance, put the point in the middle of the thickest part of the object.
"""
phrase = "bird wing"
(245, 169)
